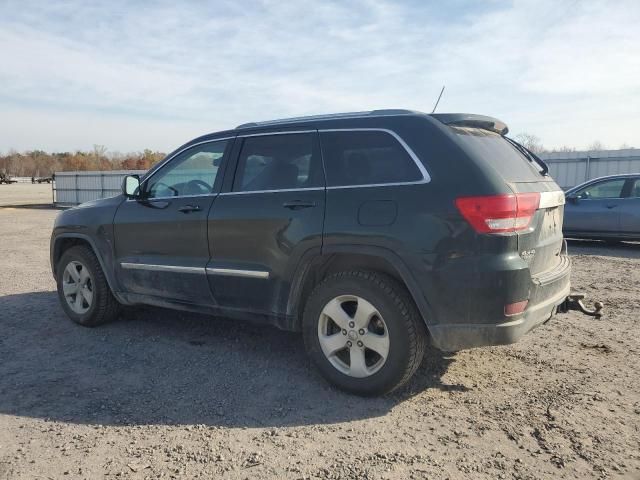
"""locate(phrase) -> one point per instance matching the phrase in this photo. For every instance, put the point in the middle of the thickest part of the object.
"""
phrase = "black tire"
(406, 330)
(104, 307)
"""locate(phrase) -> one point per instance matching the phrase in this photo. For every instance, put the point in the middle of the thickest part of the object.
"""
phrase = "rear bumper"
(546, 294)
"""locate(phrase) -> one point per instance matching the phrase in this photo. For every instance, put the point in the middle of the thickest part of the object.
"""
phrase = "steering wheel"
(160, 185)
(200, 185)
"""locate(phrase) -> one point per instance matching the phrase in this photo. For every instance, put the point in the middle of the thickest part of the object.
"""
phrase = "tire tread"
(107, 308)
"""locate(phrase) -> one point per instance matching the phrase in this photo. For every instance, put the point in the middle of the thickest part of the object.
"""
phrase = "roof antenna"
(438, 101)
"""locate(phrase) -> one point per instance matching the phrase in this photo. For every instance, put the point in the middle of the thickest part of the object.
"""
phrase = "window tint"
(606, 189)
(366, 158)
(193, 172)
(490, 148)
(278, 162)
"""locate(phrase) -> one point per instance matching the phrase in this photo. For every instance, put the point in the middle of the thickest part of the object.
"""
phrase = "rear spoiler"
(472, 121)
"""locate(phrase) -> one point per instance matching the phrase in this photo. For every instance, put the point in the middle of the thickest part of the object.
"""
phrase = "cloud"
(213, 65)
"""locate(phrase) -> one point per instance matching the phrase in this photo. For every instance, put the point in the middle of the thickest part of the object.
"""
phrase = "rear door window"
(279, 162)
(366, 158)
(489, 147)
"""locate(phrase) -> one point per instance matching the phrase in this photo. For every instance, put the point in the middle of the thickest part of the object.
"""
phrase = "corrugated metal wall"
(73, 188)
(572, 168)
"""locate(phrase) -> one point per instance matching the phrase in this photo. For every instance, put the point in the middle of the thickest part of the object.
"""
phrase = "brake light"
(499, 213)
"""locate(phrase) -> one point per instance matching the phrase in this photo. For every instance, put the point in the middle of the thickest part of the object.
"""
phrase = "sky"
(131, 75)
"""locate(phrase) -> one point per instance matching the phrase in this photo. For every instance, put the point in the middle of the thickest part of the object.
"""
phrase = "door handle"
(298, 205)
(611, 206)
(189, 209)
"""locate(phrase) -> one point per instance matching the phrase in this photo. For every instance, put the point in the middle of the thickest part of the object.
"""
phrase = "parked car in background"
(606, 208)
(373, 233)
(41, 179)
(6, 179)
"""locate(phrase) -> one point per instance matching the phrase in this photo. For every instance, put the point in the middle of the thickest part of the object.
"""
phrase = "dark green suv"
(374, 233)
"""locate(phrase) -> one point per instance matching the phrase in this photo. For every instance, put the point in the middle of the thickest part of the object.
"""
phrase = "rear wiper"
(532, 157)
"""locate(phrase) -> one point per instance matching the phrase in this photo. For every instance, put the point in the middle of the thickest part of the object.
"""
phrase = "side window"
(606, 189)
(278, 162)
(193, 172)
(635, 191)
(366, 158)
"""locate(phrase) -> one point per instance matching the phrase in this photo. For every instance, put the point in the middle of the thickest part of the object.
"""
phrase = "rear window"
(489, 147)
(366, 158)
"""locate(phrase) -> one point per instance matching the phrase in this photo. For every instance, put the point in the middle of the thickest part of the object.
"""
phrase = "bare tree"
(530, 142)
(597, 145)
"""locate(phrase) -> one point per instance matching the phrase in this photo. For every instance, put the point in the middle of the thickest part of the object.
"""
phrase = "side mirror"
(131, 186)
(573, 198)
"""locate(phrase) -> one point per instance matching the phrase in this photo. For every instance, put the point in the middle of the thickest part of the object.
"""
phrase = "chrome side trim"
(232, 272)
(161, 268)
(551, 199)
(273, 191)
(426, 178)
(150, 200)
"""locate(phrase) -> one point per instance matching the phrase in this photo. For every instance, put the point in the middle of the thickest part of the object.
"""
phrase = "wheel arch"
(65, 241)
(351, 257)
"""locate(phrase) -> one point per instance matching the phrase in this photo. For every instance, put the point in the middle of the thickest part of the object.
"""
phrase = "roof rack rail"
(392, 111)
(309, 118)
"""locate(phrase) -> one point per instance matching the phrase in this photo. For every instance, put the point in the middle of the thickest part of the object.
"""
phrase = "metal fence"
(572, 168)
(22, 179)
(73, 188)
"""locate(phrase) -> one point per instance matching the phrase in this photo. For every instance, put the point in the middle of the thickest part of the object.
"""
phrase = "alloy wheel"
(353, 336)
(77, 287)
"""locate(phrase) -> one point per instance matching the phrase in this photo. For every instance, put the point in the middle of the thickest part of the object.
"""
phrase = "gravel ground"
(25, 194)
(161, 394)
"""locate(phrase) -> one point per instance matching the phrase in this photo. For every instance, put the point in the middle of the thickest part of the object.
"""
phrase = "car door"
(630, 210)
(270, 217)
(161, 238)
(595, 208)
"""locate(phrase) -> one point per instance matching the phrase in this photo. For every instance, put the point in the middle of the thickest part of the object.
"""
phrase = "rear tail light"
(499, 213)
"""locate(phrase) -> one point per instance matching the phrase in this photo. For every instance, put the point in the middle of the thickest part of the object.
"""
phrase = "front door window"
(193, 172)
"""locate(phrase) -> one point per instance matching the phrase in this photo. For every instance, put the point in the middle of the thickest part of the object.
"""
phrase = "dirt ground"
(161, 394)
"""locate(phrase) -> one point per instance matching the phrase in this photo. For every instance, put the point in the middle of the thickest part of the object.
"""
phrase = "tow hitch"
(574, 302)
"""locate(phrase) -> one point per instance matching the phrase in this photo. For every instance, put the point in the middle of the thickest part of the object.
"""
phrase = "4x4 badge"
(528, 255)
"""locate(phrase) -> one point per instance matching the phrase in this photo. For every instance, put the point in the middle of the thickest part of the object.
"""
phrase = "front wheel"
(363, 332)
(83, 290)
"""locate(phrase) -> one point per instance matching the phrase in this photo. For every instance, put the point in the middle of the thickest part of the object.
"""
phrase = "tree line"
(534, 144)
(37, 163)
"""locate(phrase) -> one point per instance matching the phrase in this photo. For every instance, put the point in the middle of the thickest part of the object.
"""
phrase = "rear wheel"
(83, 290)
(363, 332)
